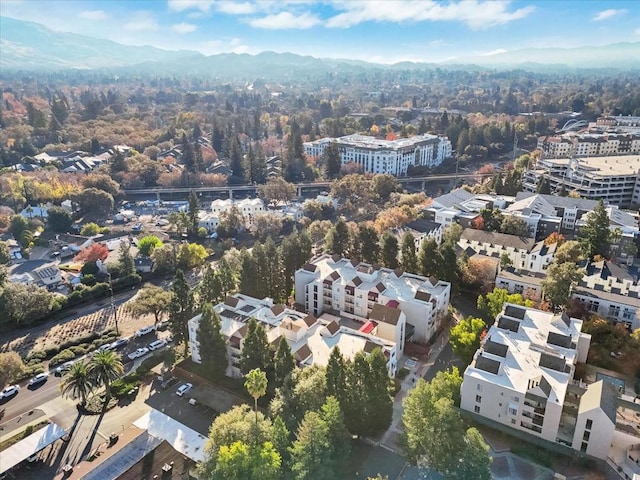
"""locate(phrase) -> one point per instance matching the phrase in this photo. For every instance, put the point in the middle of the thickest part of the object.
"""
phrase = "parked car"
(65, 367)
(39, 378)
(169, 382)
(121, 342)
(184, 388)
(162, 326)
(141, 352)
(145, 330)
(54, 254)
(103, 348)
(157, 344)
(12, 390)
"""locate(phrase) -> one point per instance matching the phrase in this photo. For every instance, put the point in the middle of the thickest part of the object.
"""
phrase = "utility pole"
(113, 305)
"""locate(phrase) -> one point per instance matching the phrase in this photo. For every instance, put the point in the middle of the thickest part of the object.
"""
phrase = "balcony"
(533, 428)
(348, 300)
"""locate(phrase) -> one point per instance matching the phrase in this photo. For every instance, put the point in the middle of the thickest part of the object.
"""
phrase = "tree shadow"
(66, 442)
(87, 449)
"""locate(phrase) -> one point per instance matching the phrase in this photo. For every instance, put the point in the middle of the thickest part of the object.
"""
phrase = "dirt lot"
(40, 337)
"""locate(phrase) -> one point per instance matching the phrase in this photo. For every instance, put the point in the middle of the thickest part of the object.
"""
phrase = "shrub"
(64, 356)
(122, 386)
(36, 356)
(78, 350)
(51, 351)
(402, 373)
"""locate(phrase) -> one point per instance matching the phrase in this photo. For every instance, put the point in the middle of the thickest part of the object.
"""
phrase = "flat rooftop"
(609, 166)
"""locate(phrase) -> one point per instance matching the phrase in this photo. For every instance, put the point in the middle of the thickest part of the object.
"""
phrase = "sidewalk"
(391, 439)
(16, 425)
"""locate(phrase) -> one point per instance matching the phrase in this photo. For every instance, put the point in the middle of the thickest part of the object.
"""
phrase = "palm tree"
(256, 385)
(77, 383)
(104, 368)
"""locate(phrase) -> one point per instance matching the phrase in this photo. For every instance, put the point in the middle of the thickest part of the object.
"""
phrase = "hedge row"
(77, 346)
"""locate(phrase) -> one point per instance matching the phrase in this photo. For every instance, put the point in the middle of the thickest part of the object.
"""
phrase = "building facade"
(376, 155)
(614, 179)
(352, 289)
(522, 377)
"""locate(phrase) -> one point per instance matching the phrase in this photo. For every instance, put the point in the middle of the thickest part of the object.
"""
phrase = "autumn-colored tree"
(94, 252)
(394, 217)
(554, 237)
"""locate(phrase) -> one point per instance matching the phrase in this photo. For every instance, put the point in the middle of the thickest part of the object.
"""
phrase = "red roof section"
(368, 327)
(393, 304)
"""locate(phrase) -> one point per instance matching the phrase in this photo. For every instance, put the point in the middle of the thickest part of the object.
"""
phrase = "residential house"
(422, 230)
(247, 207)
(524, 253)
(143, 264)
(351, 289)
(41, 273)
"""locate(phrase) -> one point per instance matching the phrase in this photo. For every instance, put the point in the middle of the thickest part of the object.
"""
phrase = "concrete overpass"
(251, 190)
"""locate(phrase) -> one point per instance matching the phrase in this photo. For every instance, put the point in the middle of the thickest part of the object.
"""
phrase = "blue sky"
(372, 30)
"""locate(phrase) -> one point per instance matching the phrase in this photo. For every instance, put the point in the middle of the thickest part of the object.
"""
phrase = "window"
(515, 398)
(589, 424)
(586, 436)
(479, 387)
(477, 409)
(513, 421)
(478, 399)
(583, 447)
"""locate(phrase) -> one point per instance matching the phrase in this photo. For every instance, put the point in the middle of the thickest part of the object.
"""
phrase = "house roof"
(310, 267)
(563, 202)
(600, 395)
(332, 328)
(278, 309)
(453, 197)
(231, 301)
(310, 320)
(385, 314)
(493, 238)
(302, 353)
(423, 226)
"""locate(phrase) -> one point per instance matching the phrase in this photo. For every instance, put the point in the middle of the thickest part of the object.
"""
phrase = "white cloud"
(285, 20)
(606, 14)
(94, 15)
(494, 52)
(184, 27)
(236, 8)
(142, 21)
(474, 13)
(181, 5)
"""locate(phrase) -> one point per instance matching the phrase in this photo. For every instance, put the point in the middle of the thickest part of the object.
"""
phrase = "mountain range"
(33, 47)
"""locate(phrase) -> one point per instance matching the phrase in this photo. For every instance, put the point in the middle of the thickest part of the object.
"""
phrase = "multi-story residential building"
(421, 230)
(619, 120)
(524, 253)
(208, 220)
(376, 155)
(522, 375)
(247, 207)
(311, 339)
(588, 144)
(613, 179)
(352, 289)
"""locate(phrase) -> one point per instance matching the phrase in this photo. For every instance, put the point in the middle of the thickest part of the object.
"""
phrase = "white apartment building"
(613, 179)
(588, 144)
(247, 207)
(208, 220)
(311, 339)
(524, 253)
(352, 289)
(422, 230)
(376, 155)
(522, 375)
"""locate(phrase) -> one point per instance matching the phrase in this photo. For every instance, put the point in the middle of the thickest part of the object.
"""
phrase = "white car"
(145, 330)
(141, 352)
(39, 378)
(10, 391)
(183, 389)
(121, 342)
(157, 344)
(65, 367)
(103, 348)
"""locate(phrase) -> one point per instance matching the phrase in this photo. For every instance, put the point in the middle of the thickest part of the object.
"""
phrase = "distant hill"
(31, 46)
(617, 55)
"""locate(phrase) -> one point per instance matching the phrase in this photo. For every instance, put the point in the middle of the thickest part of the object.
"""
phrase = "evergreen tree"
(332, 161)
(255, 349)
(228, 280)
(430, 259)
(217, 137)
(192, 213)
(235, 160)
(409, 259)
(198, 161)
(595, 234)
(337, 376)
(188, 158)
(448, 268)
(274, 270)
(262, 262)
(311, 452)
(379, 401)
(118, 163)
(126, 262)
(367, 241)
(543, 186)
(249, 277)
(180, 309)
(389, 254)
(339, 438)
(338, 238)
(283, 363)
(210, 287)
(212, 345)
(197, 133)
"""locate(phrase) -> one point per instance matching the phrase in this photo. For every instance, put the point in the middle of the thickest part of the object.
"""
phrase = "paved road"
(29, 398)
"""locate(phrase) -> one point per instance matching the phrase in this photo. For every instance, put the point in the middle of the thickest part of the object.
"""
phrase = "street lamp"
(113, 305)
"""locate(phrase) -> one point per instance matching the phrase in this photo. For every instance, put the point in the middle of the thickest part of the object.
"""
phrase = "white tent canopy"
(29, 446)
